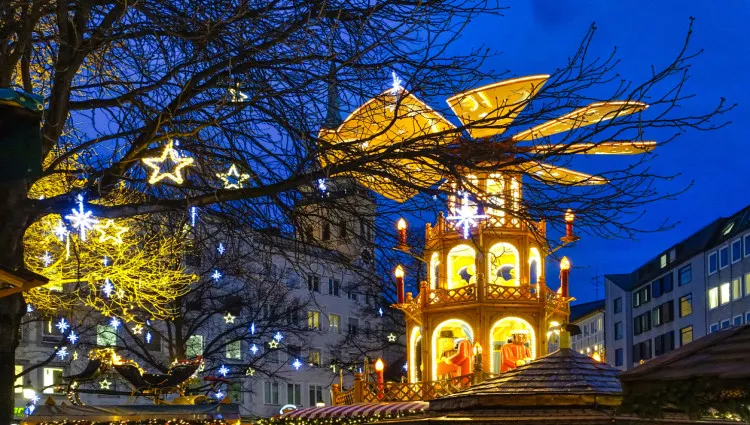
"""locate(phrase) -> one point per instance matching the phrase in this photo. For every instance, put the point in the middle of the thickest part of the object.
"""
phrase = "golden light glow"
(477, 348)
(596, 357)
(414, 337)
(399, 272)
(463, 330)
(238, 181)
(603, 148)
(503, 328)
(558, 175)
(379, 365)
(564, 264)
(169, 154)
(401, 225)
(109, 231)
(569, 216)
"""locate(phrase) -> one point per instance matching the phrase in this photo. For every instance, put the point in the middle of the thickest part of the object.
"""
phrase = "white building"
(590, 318)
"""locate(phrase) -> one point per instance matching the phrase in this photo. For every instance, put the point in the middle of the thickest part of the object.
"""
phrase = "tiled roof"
(561, 378)
(581, 310)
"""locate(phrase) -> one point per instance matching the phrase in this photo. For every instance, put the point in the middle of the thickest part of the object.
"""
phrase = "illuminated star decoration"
(252, 328)
(273, 344)
(233, 179)
(254, 349)
(406, 367)
(62, 325)
(216, 275)
(108, 288)
(115, 322)
(322, 185)
(467, 216)
(72, 337)
(104, 384)
(46, 259)
(224, 371)
(75, 354)
(62, 353)
(297, 364)
(396, 87)
(391, 337)
(278, 337)
(229, 318)
(169, 155)
(148, 337)
(105, 261)
(109, 231)
(250, 372)
(138, 329)
(380, 311)
(219, 395)
(80, 219)
(221, 248)
(61, 231)
(29, 308)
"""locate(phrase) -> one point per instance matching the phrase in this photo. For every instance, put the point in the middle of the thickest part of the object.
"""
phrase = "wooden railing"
(372, 392)
(500, 292)
(463, 293)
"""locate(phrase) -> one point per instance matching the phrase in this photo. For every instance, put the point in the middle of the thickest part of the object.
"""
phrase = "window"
(353, 296)
(712, 263)
(316, 394)
(106, 336)
(194, 346)
(270, 393)
(334, 287)
(235, 392)
(747, 245)
(642, 323)
(736, 250)
(724, 295)
(292, 316)
(314, 358)
(663, 260)
(656, 316)
(656, 288)
(667, 311)
(313, 283)
(736, 288)
(18, 385)
(234, 350)
(342, 228)
(714, 327)
(642, 351)
(686, 335)
(713, 298)
(586, 330)
(685, 275)
(723, 257)
(49, 331)
(52, 378)
(618, 305)
(747, 284)
(618, 357)
(353, 325)
(294, 394)
(667, 283)
(326, 231)
(334, 323)
(618, 331)
(686, 305)
(664, 343)
(725, 324)
(747, 317)
(672, 255)
(737, 321)
(313, 320)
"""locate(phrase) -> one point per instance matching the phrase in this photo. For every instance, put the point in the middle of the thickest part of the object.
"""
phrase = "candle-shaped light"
(564, 276)
(399, 273)
(401, 227)
(379, 367)
(569, 219)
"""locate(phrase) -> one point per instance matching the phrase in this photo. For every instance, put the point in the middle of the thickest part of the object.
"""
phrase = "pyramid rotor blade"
(604, 148)
(487, 111)
(591, 114)
(558, 175)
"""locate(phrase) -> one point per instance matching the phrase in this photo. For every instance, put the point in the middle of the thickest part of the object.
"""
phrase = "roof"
(731, 226)
(721, 355)
(197, 413)
(563, 378)
(580, 311)
(359, 410)
(623, 280)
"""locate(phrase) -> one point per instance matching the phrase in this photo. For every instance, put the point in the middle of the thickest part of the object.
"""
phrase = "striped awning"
(359, 410)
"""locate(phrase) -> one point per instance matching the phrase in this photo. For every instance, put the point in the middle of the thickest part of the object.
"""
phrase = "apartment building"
(694, 287)
(590, 318)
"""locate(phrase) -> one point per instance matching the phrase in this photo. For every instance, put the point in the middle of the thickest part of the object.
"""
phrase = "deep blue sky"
(536, 37)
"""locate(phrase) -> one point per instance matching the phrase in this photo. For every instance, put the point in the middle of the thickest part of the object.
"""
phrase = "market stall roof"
(200, 412)
(359, 410)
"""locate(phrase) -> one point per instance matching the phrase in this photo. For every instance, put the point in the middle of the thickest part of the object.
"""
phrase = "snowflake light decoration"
(396, 85)
(219, 395)
(322, 185)
(72, 337)
(193, 215)
(406, 367)
(254, 349)
(380, 311)
(108, 288)
(148, 337)
(62, 353)
(223, 371)
(297, 364)
(29, 308)
(80, 219)
(233, 179)
(252, 328)
(114, 322)
(60, 230)
(216, 275)
(62, 325)
(467, 216)
(278, 336)
(168, 155)
(46, 259)
(221, 249)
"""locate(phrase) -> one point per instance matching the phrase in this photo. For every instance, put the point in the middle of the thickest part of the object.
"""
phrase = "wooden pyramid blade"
(603, 148)
(591, 114)
(489, 110)
(558, 175)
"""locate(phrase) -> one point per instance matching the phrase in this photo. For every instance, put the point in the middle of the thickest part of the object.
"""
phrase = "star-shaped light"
(233, 179)
(322, 185)
(252, 328)
(380, 311)
(278, 336)
(250, 372)
(229, 318)
(168, 155)
(109, 231)
(75, 354)
(254, 349)
(223, 371)
(80, 219)
(391, 337)
(108, 288)
(467, 216)
(62, 353)
(104, 384)
(46, 259)
(114, 322)
(62, 325)
(148, 337)
(60, 230)
(219, 395)
(221, 248)
(72, 337)
(273, 344)
(216, 275)
(138, 329)
(297, 364)
(396, 86)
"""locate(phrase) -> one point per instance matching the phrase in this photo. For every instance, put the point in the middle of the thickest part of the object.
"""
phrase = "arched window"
(434, 270)
(461, 268)
(503, 265)
(509, 330)
(495, 191)
(452, 340)
(415, 355)
(535, 266)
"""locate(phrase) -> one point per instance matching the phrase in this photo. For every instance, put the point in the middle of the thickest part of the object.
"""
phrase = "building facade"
(694, 287)
(590, 318)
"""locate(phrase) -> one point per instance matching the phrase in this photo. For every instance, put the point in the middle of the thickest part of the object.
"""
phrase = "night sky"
(537, 37)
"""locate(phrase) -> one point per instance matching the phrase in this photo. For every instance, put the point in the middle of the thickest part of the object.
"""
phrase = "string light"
(233, 179)
(171, 155)
(80, 219)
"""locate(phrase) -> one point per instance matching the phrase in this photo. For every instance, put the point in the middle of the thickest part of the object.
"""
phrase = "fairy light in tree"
(254, 349)
(466, 216)
(216, 275)
(250, 372)
(297, 364)
(138, 329)
(380, 311)
(108, 288)
(104, 384)
(46, 259)
(29, 308)
(80, 219)
(170, 156)
(396, 83)
(252, 328)
(115, 322)
(273, 344)
(62, 353)
(109, 231)
(60, 230)
(229, 318)
(148, 337)
(278, 336)
(233, 179)
(72, 337)
(223, 371)
(221, 248)
(62, 325)
(193, 215)
(391, 337)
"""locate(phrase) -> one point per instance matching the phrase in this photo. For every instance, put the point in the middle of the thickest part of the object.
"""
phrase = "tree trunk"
(12, 309)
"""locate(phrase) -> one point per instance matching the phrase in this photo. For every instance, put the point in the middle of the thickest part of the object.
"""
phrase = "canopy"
(200, 412)
(359, 410)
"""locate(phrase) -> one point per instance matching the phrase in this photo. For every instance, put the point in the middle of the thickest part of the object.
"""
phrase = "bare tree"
(245, 84)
